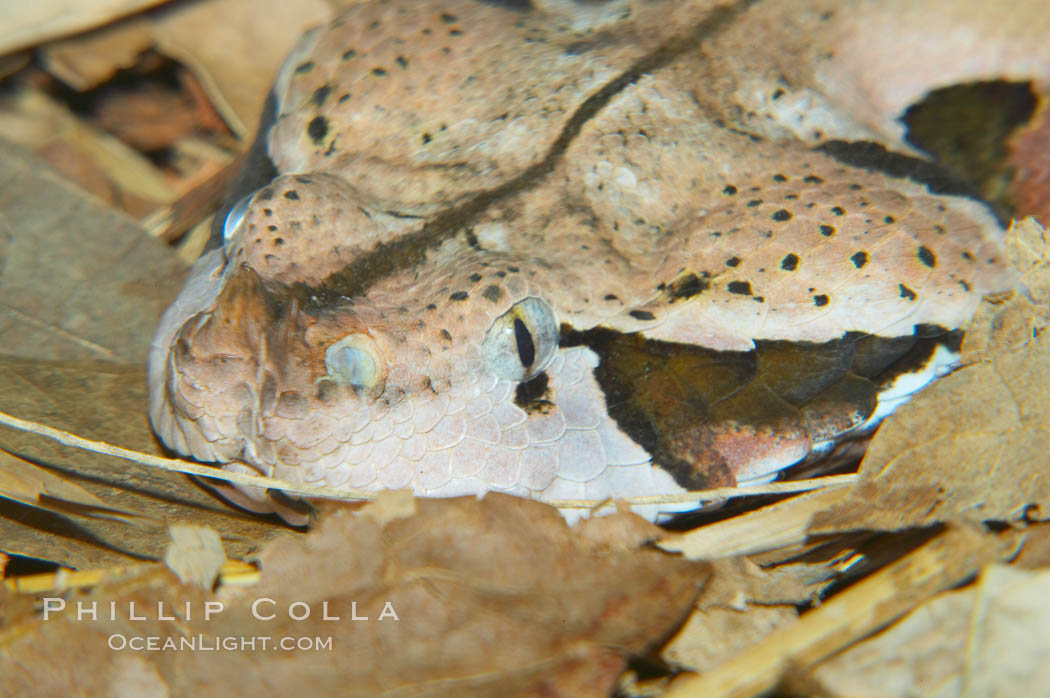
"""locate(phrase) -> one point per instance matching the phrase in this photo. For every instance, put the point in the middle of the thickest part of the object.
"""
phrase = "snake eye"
(235, 216)
(521, 342)
(355, 360)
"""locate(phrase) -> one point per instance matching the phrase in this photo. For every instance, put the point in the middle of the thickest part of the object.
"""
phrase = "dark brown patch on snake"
(697, 411)
(533, 396)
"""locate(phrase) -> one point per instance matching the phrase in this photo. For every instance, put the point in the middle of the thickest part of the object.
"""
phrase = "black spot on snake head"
(317, 129)
(320, 95)
(926, 257)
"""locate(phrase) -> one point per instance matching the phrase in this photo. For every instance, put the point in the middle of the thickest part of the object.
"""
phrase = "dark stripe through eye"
(526, 347)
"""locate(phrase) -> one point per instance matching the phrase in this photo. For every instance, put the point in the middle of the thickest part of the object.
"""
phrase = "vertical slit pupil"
(526, 347)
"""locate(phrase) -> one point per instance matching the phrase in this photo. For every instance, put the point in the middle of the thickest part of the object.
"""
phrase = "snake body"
(480, 228)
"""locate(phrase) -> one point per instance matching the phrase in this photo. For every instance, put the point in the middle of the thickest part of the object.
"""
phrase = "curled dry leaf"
(974, 444)
(953, 555)
(496, 597)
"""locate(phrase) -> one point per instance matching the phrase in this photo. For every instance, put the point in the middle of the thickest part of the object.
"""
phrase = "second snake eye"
(235, 217)
(522, 342)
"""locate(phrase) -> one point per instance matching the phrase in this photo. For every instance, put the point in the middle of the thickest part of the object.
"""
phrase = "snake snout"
(233, 363)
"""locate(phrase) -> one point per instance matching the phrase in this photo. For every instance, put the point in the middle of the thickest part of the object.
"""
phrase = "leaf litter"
(463, 597)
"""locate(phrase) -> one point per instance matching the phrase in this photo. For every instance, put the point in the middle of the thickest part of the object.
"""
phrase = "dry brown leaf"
(86, 61)
(740, 605)
(106, 402)
(990, 639)
(1009, 639)
(80, 281)
(195, 555)
(24, 24)
(96, 161)
(234, 47)
(149, 118)
(624, 531)
(973, 445)
(492, 598)
(920, 655)
(390, 506)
